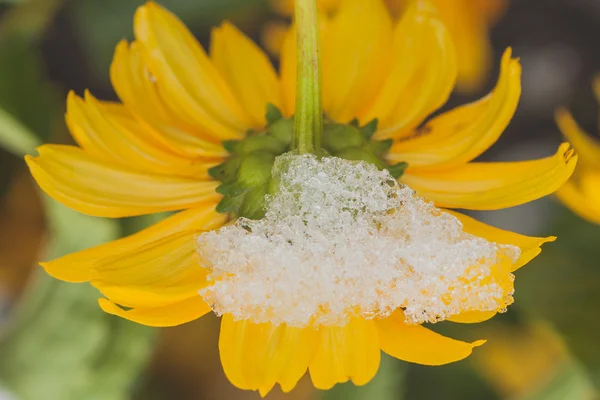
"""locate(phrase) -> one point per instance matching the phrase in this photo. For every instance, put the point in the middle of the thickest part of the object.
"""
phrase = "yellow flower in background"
(582, 193)
(468, 22)
(191, 134)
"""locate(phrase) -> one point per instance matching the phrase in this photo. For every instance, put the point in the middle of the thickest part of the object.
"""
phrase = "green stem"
(309, 110)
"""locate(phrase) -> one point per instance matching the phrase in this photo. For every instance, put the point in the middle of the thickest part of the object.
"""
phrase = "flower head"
(582, 193)
(207, 134)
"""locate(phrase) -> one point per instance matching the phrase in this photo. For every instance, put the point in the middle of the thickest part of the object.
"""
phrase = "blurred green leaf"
(387, 385)
(562, 285)
(101, 24)
(570, 382)
(15, 137)
(28, 18)
(25, 95)
(61, 345)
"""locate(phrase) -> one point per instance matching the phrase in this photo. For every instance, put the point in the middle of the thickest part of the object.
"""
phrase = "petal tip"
(108, 306)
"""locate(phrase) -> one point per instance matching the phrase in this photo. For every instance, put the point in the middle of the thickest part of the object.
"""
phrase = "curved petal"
(171, 315)
(257, 356)
(89, 185)
(587, 148)
(423, 73)
(462, 134)
(530, 246)
(80, 266)
(109, 131)
(347, 352)
(467, 21)
(152, 268)
(137, 89)
(472, 317)
(491, 186)
(287, 70)
(197, 93)
(355, 57)
(247, 69)
(417, 344)
(585, 203)
(152, 275)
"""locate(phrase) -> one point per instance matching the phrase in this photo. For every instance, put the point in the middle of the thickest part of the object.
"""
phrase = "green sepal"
(282, 130)
(225, 171)
(247, 175)
(370, 128)
(397, 170)
(231, 189)
(253, 206)
(273, 114)
(265, 143)
(337, 137)
(230, 204)
(380, 147)
(359, 154)
(230, 145)
(255, 169)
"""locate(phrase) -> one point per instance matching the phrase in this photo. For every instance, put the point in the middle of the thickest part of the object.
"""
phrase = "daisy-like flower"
(468, 22)
(192, 134)
(582, 192)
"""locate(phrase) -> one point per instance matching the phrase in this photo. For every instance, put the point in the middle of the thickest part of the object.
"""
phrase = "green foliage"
(14, 136)
(101, 24)
(27, 102)
(60, 344)
(562, 286)
(570, 382)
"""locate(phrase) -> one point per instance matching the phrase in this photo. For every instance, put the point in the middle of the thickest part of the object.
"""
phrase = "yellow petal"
(286, 7)
(423, 73)
(530, 246)
(80, 266)
(417, 344)
(468, 22)
(461, 135)
(288, 66)
(153, 268)
(584, 200)
(247, 70)
(587, 147)
(91, 186)
(152, 275)
(137, 89)
(272, 36)
(355, 57)
(171, 315)
(197, 93)
(347, 352)
(109, 131)
(472, 317)
(257, 356)
(491, 186)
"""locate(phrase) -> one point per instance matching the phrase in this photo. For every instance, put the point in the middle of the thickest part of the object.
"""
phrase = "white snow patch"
(343, 239)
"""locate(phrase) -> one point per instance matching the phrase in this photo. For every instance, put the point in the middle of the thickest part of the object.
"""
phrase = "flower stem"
(308, 125)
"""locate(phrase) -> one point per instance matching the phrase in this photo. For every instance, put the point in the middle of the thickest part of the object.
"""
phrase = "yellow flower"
(160, 148)
(468, 22)
(582, 193)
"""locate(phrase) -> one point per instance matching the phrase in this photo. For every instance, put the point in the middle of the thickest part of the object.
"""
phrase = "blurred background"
(55, 343)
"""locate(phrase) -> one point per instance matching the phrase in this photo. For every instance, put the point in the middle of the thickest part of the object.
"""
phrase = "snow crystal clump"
(342, 239)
